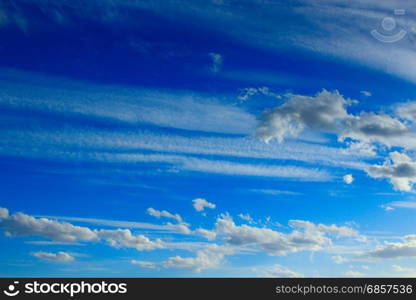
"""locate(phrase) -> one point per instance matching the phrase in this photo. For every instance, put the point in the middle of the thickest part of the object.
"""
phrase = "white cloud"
(128, 106)
(208, 234)
(210, 257)
(124, 238)
(399, 169)
(406, 271)
(306, 236)
(326, 112)
(246, 217)
(338, 259)
(57, 257)
(275, 192)
(366, 93)
(217, 60)
(298, 112)
(175, 228)
(389, 250)
(20, 224)
(354, 274)
(200, 204)
(407, 110)
(360, 148)
(183, 163)
(157, 213)
(348, 179)
(279, 271)
(144, 264)
(4, 213)
(400, 204)
(247, 93)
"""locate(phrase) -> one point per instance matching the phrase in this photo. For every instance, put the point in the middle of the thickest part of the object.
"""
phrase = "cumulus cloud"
(4, 213)
(208, 234)
(327, 112)
(20, 224)
(247, 93)
(280, 271)
(200, 204)
(366, 93)
(210, 257)
(57, 257)
(406, 271)
(354, 274)
(217, 60)
(360, 148)
(405, 248)
(144, 264)
(306, 236)
(124, 238)
(399, 169)
(348, 179)
(157, 213)
(338, 259)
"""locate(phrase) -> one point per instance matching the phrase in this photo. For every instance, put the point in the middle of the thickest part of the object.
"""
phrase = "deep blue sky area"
(207, 138)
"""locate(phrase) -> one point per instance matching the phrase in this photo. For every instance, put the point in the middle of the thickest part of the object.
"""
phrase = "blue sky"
(207, 138)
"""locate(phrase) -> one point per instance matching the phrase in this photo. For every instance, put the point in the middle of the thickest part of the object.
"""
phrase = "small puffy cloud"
(354, 274)
(163, 213)
(338, 259)
(405, 248)
(348, 179)
(217, 60)
(144, 264)
(200, 204)
(56, 257)
(366, 93)
(399, 169)
(279, 271)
